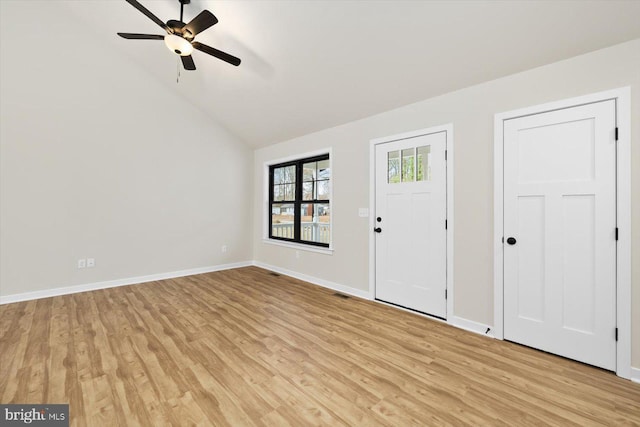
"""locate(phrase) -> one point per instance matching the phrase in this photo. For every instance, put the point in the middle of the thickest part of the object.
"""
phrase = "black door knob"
(511, 240)
(377, 229)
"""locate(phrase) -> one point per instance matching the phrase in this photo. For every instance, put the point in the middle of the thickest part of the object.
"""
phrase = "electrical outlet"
(224, 248)
(91, 262)
(82, 263)
(297, 254)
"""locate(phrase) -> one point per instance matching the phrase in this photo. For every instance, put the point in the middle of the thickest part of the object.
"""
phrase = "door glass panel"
(393, 167)
(424, 163)
(408, 165)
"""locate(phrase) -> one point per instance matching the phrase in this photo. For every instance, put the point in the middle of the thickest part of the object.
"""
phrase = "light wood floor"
(243, 347)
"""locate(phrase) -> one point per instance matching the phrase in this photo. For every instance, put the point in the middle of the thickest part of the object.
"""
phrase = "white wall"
(471, 111)
(99, 159)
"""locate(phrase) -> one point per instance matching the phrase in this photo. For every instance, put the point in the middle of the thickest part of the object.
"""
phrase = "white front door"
(410, 244)
(560, 232)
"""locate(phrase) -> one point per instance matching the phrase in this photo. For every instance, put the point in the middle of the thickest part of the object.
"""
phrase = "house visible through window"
(299, 201)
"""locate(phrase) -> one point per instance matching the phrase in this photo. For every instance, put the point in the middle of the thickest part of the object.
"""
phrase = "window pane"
(309, 171)
(282, 220)
(282, 192)
(324, 172)
(307, 191)
(408, 165)
(315, 222)
(290, 191)
(424, 163)
(323, 190)
(393, 167)
(278, 193)
(284, 175)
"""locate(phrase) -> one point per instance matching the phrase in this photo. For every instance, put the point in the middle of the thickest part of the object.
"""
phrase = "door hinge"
(445, 224)
(616, 233)
(616, 133)
(616, 334)
(445, 152)
(445, 294)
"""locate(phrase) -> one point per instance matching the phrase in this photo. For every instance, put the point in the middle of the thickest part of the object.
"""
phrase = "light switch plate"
(363, 212)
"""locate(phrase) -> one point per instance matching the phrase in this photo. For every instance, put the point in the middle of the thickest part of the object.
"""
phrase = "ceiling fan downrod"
(182, 3)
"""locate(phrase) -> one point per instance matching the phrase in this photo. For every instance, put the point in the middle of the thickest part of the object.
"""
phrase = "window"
(299, 201)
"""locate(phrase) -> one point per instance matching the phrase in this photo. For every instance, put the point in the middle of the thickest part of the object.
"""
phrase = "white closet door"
(559, 225)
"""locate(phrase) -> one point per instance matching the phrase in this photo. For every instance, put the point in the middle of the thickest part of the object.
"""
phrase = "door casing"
(623, 215)
(448, 129)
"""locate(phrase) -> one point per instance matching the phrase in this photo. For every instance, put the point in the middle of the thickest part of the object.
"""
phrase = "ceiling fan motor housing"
(177, 28)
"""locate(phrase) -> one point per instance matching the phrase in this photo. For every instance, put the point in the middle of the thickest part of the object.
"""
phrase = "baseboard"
(635, 375)
(472, 326)
(7, 299)
(316, 281)
(458, 322)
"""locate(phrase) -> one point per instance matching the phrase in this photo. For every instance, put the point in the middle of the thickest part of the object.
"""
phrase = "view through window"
(299, 201)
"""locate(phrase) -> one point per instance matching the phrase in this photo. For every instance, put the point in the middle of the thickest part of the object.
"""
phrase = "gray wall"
(99, 159)
(471, 111)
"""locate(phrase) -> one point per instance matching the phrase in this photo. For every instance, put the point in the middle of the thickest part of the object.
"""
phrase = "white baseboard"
(470, 325)
(635, 375)
(458, 322)
(7, 299)
(316, 281)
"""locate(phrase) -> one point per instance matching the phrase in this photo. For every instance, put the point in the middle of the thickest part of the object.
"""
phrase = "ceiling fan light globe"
(178, 45)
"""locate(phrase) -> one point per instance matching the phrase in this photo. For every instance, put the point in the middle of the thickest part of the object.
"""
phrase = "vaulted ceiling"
(314, 64)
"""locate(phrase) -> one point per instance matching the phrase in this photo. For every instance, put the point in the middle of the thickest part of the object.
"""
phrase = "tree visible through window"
(299, 201)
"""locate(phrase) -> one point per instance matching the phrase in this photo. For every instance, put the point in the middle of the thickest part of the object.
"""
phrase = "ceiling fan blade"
(149, 15)
(140, 36)
(217, 53)
(187, 62)
(204, 20)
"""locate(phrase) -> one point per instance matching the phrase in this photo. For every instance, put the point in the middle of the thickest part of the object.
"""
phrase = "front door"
(410, 217)
(560, 232)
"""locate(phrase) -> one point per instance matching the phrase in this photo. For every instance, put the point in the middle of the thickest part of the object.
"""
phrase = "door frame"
(448, 130)
(623, 214)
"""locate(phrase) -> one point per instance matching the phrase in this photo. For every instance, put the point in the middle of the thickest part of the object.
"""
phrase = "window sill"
(299, 246)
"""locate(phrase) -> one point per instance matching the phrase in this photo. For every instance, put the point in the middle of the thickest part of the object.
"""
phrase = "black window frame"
(298, 201)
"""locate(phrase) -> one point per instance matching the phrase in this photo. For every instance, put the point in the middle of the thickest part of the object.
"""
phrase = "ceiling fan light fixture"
(178, 45)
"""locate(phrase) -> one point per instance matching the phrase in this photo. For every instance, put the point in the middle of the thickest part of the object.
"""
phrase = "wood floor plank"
(245, 347)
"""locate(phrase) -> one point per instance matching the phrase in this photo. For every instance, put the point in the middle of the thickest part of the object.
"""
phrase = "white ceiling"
(310, 65)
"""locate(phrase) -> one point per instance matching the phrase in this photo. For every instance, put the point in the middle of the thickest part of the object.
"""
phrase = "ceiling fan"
(179, 37)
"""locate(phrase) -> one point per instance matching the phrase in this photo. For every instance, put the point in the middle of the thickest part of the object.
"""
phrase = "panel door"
(410, 220)
(559, 226)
